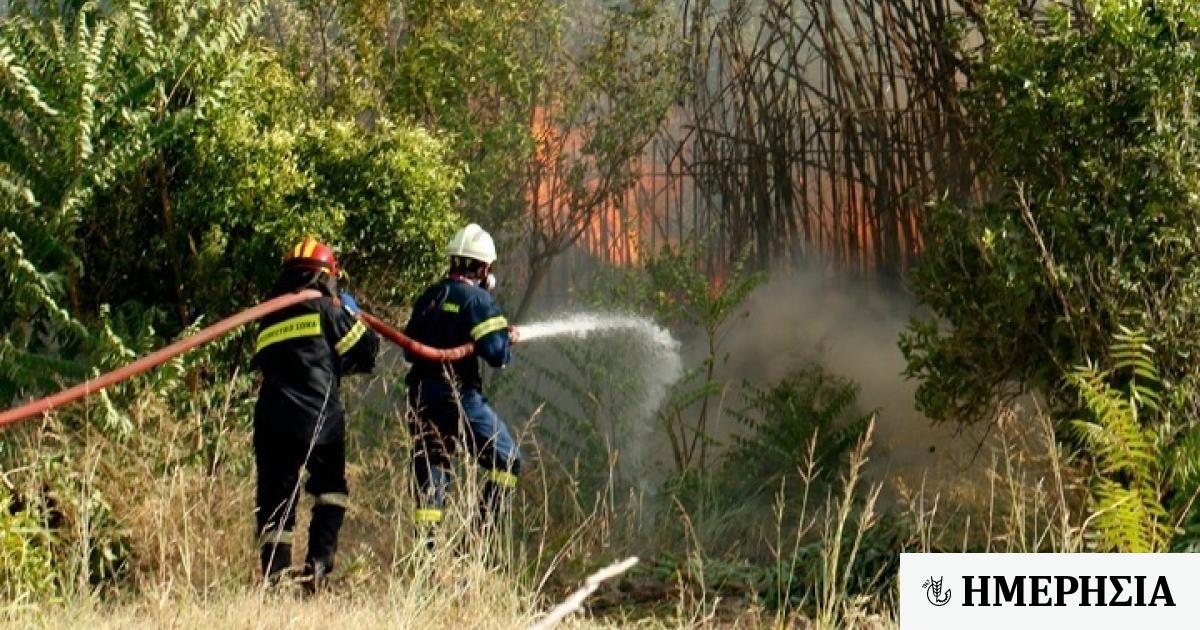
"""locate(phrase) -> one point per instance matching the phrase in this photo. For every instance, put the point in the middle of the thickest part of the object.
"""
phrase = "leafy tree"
(87, 95)
(597, 109)
(1086, 119)
(153, 159)
(472, 68)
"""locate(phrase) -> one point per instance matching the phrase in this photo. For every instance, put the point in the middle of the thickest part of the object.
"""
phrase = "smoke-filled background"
(619, 376)
(852, 330)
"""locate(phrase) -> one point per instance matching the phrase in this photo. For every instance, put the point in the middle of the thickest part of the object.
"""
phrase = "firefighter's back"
(298, 354)
(449, 314)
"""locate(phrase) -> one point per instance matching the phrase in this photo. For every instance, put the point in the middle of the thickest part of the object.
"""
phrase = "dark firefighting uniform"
(303, 351)
(447, 400)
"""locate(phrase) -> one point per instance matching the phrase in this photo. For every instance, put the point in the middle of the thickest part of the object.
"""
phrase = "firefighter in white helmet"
(449, 409)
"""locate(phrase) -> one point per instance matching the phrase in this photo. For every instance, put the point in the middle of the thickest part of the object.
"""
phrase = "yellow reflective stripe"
(450, 307)
(488, 326)
(310, 245)
(427, 515)
(336, 499)
(347, 342)
(302, 326)
(275, 537)
(502, 478)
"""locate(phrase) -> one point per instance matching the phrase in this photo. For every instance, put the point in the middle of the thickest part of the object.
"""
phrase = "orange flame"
(836, 220)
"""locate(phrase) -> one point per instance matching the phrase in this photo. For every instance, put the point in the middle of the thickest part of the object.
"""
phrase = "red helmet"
(312, 254)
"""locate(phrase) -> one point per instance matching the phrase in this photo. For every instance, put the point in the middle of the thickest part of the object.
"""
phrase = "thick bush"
(1086, 119)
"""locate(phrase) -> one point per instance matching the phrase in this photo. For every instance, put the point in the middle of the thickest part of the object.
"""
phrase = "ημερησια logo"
(934, 593)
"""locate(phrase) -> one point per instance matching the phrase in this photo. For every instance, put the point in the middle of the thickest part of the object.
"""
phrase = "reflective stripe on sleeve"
(427, 515)
(502, 478)
(347, 342)
(488, 326)
(450, 307)
(296, 327)
(336, 499)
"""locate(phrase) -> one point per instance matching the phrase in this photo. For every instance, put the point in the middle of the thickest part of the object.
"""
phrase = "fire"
(612, 227)
(833, 218)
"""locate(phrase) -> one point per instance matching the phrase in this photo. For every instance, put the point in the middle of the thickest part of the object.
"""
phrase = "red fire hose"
(36, 407)
(425, 352)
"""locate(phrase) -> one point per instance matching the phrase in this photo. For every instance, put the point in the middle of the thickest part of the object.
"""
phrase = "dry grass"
(181, 496)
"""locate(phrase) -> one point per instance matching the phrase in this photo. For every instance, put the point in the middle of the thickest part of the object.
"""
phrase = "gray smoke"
(852, 329)
(798, 317)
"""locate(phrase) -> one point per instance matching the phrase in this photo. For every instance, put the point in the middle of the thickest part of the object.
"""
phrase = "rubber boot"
(314, 577)
(276, 560)
(322, 544)
(323, 533)
(491, 505)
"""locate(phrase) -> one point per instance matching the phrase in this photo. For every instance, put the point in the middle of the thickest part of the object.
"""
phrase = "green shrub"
(1139, 447)
(27, 571)
(1085, 116)
(809, 416)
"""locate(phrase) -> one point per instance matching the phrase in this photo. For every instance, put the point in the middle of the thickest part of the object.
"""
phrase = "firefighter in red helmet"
(302, 352)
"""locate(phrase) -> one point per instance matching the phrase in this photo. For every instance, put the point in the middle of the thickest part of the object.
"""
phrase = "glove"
(348, 302)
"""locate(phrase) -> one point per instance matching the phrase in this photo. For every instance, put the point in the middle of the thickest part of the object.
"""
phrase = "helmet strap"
(327, 283)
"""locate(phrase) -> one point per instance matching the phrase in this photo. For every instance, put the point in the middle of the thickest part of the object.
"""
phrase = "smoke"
(852, 329)
(800, 316)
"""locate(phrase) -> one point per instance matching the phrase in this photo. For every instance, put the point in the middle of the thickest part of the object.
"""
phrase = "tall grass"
(154, 528)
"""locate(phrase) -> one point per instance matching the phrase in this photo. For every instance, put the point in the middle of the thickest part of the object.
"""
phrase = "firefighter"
(303, 351)
(448, 407)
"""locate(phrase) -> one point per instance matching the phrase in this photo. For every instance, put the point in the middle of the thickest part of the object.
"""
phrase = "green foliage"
(472, 68)
(27, 571)
(64, 530)
(1092, 143)
(262, 172)
(1140, 445)
(88, 93)
(192, 162)
(678, 293)
(808, 417)
(395, 187)
(615, 77)
(797, 432)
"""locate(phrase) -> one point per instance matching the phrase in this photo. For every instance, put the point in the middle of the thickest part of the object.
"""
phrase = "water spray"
(664, 368)
(657, 370)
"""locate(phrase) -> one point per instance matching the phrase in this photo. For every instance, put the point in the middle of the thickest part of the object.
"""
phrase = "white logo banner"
(1030, 591)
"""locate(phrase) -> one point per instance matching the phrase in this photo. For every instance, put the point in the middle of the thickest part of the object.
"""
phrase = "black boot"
(491, 505)
(276, 560)
(314, 577)
(327, 518)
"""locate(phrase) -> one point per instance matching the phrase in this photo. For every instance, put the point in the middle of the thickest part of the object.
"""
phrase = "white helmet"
(472, 242)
